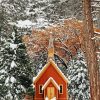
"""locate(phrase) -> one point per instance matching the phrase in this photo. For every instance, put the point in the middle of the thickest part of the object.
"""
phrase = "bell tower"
(51, 48)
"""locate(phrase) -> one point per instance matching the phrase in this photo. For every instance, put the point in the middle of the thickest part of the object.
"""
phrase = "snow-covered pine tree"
(3, 40)
(78, 78)
(39, 60)
(15, 68)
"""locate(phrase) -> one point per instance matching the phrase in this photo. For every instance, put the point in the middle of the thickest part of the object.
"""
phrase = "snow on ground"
(54, 98)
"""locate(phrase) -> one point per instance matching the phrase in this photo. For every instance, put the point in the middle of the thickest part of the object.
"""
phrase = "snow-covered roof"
(50, 61)
(34, 79)
(51, 80)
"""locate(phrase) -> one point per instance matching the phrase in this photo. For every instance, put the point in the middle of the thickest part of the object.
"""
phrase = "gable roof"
(56, 68)
(51, 80)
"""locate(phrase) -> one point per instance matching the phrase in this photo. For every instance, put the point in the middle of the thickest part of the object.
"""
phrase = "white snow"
(96, 6)
(98, 52)
(98, 56)
(54, 98)
(79, 74)
(97, 32)
(96, 37)
(13, 46)
(23, 88)
(24, 24)
(7, 80)
(43, 1)
(13, 35)
(29, 13)
(33, 86)
(0, 1)
(12, 79)
(12, 23)
(41, 22)
(13, 64)
(46, 98)
(81, 86)
(9, 95)
(3, 71)
(34, 79)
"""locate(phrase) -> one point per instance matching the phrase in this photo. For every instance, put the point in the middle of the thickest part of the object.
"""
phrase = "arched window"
(61, 89)
(40, 89)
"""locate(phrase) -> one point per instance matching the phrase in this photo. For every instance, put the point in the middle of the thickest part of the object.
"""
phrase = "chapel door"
(50, 92)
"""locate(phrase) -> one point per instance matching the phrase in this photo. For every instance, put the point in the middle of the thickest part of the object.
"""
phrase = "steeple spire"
(51, 48)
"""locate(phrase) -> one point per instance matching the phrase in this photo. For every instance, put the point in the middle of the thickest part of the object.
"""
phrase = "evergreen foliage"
(78, 78)
(16, 73)
(30, 91)
(16, 68)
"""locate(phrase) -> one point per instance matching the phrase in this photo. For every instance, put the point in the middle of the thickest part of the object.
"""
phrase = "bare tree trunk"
(89, 47)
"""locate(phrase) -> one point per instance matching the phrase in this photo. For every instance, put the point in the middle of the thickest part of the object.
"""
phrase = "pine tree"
(16, 68)
(78, 78)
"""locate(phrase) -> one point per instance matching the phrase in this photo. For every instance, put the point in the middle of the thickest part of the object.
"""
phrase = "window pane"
(61, 89)
(40, 88)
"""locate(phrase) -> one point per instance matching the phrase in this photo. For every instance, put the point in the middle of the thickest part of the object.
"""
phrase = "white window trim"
(62, 88)
(41, 88)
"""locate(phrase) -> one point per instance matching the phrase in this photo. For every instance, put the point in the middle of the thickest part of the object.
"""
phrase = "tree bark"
(99, 19)
(90, 51)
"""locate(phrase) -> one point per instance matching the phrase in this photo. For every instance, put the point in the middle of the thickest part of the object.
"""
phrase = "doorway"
(50, 92)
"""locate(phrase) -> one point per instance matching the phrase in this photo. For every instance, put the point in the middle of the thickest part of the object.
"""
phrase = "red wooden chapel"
(51, 83)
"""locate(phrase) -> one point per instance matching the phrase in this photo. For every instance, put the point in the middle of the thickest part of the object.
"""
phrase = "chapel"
(51, 83)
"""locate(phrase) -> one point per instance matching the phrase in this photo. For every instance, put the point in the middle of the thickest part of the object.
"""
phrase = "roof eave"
(46, 66)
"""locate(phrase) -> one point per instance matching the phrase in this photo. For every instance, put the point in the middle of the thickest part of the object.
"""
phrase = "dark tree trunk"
(90, 51)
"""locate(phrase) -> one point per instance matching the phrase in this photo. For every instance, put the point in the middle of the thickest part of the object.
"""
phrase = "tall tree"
(15, 68)
(89, 47)
(78, 79)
